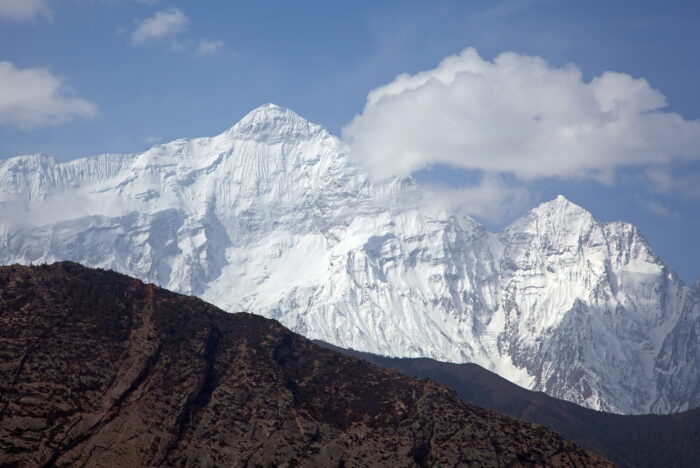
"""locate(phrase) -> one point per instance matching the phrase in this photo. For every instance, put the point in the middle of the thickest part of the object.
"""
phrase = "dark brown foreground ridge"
(639, 441)
(99, 369)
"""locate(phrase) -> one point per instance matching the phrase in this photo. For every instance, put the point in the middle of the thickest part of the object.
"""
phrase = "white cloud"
(517, 115)
(164, 24)
(490, 200)
(170, 24)
(23, 10)
(34, 97)
(209, 47)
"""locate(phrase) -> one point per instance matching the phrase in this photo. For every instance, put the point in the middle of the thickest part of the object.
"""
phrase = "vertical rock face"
(99, 369)
(271, 217)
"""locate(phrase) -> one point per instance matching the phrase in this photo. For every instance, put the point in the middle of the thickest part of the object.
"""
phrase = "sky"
(500, 105)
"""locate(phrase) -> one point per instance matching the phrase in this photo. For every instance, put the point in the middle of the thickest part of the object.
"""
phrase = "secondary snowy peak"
(271, 122)
(27, 161)
(272, 217)
(558, 216)
(24, 177)
(561, 209)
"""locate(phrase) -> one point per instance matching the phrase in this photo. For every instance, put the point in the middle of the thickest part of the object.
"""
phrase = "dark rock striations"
(99, 369)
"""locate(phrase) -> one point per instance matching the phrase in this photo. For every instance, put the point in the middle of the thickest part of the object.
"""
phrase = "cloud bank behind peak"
(517, 115)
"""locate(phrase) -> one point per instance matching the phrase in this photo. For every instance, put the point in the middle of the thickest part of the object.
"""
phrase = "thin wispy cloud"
(34, 97)
(491, 199)
(659, 209)
(168, 27)
(205, 47)
(27, 10)
(507, 8)
(165, 24)
(666, 181)
(23, 10)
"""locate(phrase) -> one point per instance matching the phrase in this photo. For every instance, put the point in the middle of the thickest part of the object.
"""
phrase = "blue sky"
(121, 75)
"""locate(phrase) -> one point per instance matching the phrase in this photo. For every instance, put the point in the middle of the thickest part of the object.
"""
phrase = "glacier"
(273, 217)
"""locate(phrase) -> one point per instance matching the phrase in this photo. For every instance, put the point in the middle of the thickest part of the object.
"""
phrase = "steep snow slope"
(590, 301)
(678, 365)
(271, 217)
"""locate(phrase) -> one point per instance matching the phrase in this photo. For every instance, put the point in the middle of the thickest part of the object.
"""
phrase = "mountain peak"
(562, 201)
(270, 120)
(559, 213)
(561, 205)
(29, 159)
(269, 111)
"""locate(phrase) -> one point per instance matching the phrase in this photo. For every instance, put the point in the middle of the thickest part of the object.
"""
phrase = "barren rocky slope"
(630, 441)
(100, 369)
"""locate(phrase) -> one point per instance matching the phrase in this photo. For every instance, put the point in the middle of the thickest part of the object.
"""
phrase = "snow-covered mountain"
(273, 218)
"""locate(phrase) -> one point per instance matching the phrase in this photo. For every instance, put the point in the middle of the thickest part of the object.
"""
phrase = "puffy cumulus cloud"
(34, 97)
(23, 10)
(517, 115)
(163, 24)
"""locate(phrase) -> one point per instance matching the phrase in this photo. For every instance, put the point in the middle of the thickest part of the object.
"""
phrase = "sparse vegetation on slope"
(100, 369)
